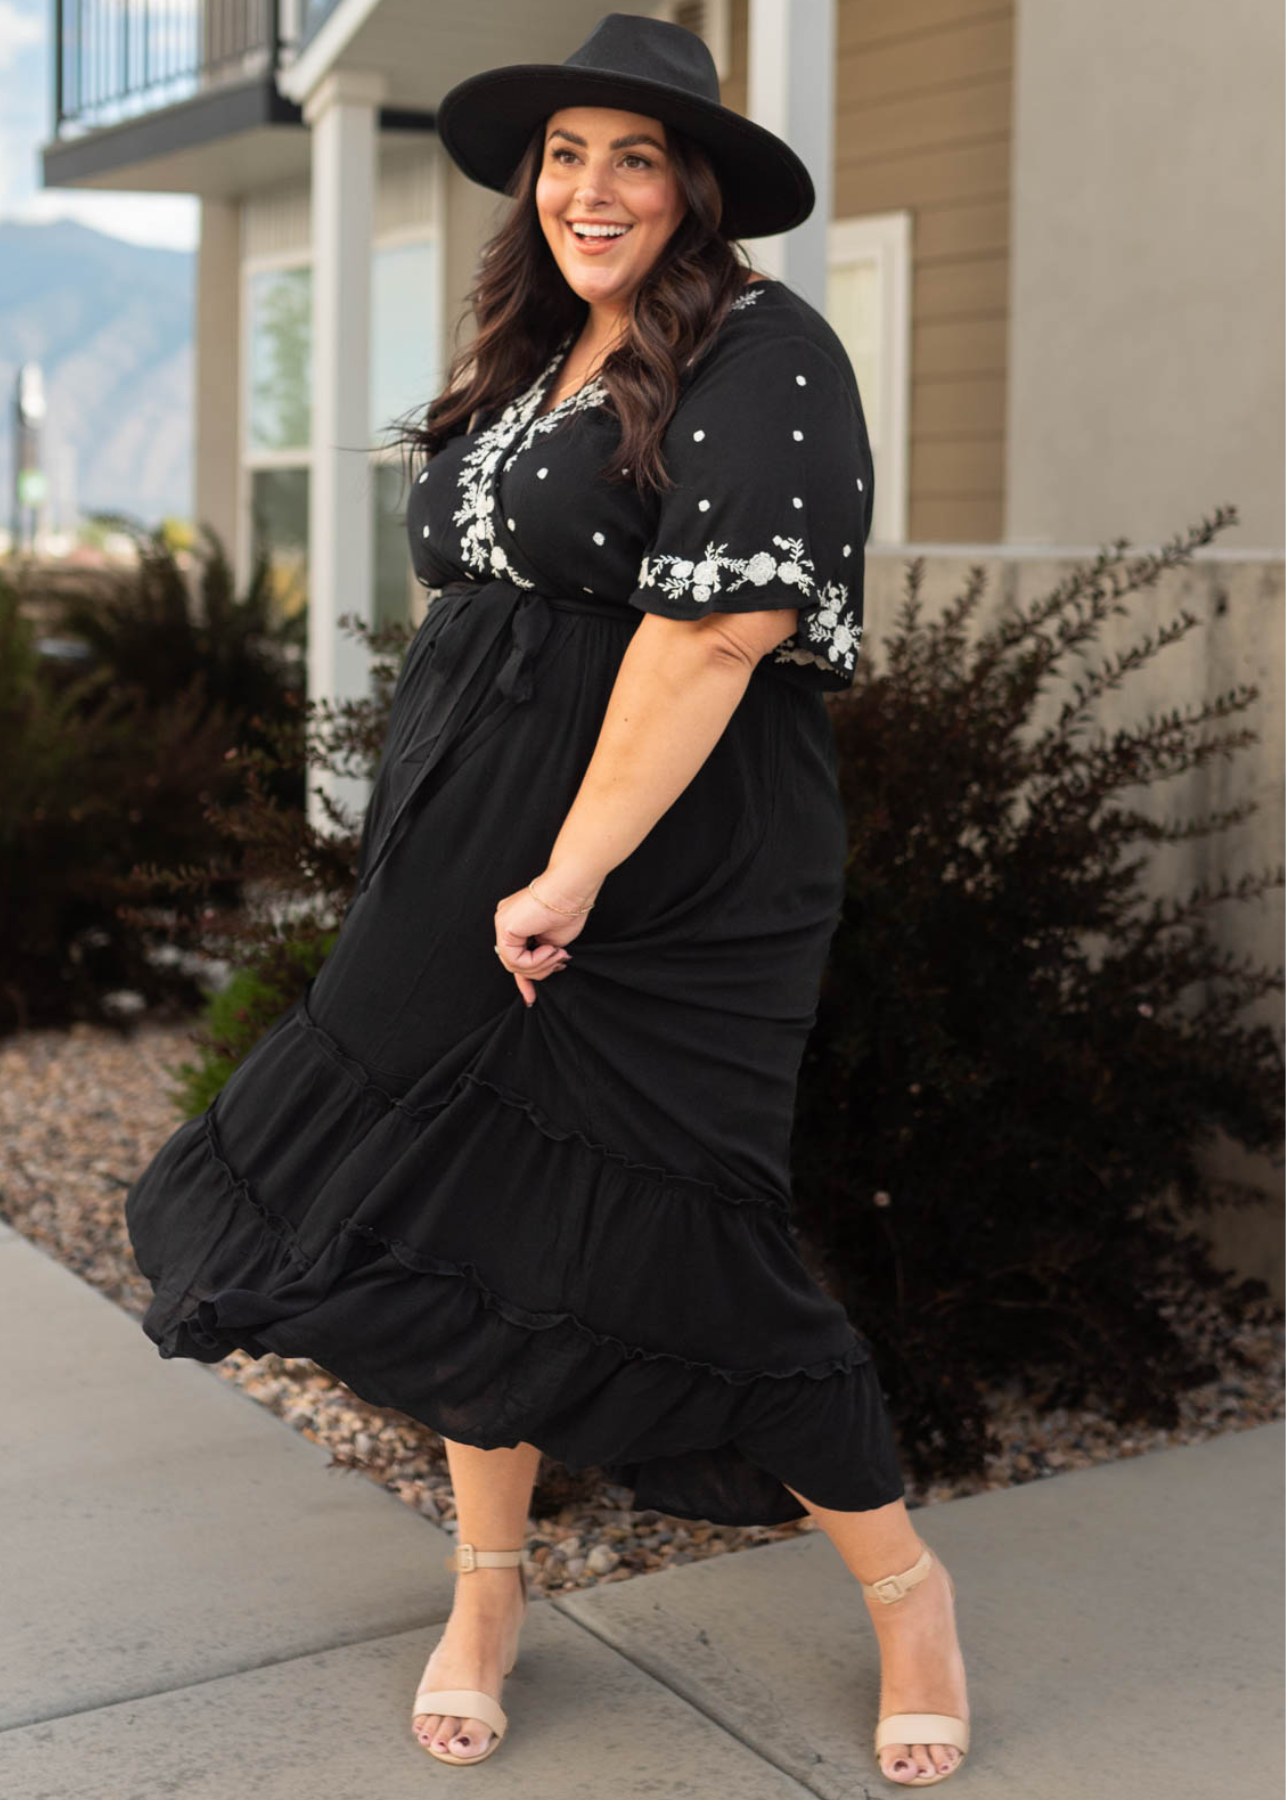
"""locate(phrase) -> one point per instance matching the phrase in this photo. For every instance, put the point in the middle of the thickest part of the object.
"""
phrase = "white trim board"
(885, 240)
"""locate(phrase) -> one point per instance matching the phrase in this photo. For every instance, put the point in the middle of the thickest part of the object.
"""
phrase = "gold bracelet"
(558, 909)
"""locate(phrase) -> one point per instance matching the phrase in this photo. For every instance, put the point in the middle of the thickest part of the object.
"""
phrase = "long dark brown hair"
(523, 308)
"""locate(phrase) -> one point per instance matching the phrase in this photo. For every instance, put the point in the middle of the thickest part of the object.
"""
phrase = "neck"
(604, 325)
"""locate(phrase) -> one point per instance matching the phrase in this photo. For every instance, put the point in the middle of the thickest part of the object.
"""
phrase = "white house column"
(791, 90)
(343, 113)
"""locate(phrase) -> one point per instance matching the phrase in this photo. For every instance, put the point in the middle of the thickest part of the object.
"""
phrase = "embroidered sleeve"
(771, 503)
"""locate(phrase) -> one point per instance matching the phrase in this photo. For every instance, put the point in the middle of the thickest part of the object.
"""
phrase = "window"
(406, 333)
(868, 301)
(405, 374)
(280, 307)
(276, 354)
(279, 523)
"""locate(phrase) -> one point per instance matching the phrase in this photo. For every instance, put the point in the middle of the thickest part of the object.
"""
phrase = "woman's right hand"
(521, 917)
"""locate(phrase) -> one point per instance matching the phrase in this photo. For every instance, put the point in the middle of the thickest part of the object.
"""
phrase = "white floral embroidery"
(590, 393)
(827, 626)
(480, 471)
(751, 294)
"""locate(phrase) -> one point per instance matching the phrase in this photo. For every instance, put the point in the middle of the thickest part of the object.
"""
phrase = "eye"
(561, 151)
(633, 156)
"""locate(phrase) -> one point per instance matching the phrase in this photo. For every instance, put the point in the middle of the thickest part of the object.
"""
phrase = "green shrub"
(238, 1015)
(301, 875)
(151, 628)
(1019, 1056)
(95, 780)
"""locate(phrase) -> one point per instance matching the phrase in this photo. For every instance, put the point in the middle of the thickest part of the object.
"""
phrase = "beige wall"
(1241, 603)
(1146, 364)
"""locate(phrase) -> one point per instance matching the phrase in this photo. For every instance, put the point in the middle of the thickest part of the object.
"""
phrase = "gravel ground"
(82, 1111)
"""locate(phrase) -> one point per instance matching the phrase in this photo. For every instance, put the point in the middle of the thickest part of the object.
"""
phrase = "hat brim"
(486, 121)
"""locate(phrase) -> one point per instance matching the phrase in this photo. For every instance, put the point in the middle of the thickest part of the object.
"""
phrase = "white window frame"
(251, 460)
(885, 239)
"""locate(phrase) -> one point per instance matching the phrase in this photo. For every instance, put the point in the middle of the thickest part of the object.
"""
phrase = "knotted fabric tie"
(463, 632)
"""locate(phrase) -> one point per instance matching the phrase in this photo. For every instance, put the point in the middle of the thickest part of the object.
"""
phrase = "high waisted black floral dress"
(571, 1224)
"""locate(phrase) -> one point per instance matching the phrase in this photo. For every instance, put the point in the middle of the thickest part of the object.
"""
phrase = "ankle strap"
(465, 1557)
(893, 1587)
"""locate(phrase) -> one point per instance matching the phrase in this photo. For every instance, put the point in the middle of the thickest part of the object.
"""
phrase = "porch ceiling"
(424, 47)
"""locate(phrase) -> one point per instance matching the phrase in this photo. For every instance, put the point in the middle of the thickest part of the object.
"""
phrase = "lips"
(595, 245)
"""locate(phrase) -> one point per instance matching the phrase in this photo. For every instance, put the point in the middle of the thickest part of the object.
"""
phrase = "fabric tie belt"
(462, 633)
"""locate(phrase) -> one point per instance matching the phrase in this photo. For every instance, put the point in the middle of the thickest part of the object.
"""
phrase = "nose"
(595, 188)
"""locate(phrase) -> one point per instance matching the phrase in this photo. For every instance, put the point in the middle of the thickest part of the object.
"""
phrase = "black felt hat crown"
(633, 64)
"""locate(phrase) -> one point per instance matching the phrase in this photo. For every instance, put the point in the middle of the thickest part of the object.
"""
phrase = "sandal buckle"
(464, 1558)
(889, 1588)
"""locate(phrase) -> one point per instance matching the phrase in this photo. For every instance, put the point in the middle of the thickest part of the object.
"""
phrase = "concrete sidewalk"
(193, 1603)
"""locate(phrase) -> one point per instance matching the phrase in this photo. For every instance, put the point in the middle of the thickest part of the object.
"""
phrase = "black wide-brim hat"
(632, 64)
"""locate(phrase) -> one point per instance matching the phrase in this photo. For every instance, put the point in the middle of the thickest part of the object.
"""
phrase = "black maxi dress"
(571, 1224)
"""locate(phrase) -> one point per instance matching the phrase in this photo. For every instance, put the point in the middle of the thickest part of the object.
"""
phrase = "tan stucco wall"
(1146, 350)
(217, 383)
(1241, 603)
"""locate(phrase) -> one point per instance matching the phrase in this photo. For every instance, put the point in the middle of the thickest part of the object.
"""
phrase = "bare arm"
(678, 685)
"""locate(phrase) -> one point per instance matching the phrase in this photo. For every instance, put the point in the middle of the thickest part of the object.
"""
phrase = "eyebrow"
(620, 143)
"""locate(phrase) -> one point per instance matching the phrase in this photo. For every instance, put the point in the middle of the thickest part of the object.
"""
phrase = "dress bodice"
(770, 504)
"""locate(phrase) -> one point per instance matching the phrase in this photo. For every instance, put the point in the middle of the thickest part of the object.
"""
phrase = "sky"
(26, 122)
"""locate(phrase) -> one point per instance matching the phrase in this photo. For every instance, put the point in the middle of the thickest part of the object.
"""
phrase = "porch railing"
(115, 59)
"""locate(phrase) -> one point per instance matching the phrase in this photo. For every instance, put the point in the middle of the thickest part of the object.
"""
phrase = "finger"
(551, 967)
(534, 962)
(509, 957)
(530, 962)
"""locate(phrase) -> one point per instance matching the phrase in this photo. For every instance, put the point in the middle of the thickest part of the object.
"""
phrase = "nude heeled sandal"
(917, 1728)
(471, 1703)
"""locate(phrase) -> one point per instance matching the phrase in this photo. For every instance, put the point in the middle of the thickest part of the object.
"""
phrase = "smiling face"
(609, 174)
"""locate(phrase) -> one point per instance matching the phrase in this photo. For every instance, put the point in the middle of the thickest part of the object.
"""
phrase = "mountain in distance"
(110, 324)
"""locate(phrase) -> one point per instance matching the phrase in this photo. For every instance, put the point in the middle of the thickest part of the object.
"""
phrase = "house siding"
(923, 123)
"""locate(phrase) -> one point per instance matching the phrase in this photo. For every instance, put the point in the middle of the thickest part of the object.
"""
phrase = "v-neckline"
(552, 372)
(559, 360)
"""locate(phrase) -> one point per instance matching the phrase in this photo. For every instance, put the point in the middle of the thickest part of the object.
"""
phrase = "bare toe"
(471, 1739)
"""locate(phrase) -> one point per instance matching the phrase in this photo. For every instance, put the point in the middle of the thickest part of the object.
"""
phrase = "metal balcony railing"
(117, 59)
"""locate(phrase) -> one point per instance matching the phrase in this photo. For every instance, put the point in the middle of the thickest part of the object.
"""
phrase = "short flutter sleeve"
(771, 503)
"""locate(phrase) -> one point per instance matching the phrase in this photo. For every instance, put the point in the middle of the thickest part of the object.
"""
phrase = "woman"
(555, 1216)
